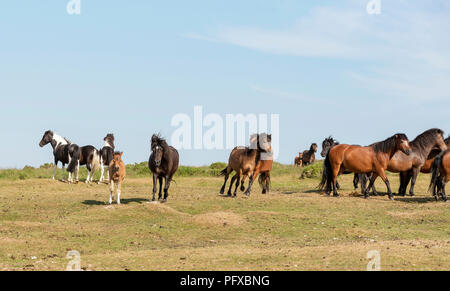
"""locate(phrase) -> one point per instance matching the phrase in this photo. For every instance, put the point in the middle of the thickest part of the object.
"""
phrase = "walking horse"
(63, 151)
(357, 159)
(106, 154)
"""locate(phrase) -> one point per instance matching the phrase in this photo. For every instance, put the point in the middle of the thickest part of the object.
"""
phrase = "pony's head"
(300, 155)
(265, 142)
(109, 137)
(159, 147)
(116, 161)
(313, 147)
(402, 143)
(47, 138)
(327, 144)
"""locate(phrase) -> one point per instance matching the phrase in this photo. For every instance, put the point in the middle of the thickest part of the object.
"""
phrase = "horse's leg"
(154, 186)
(374, 190)
(250, 183)
(166, 189)
(237, 185)
(102, 169)
(119, 189)
(383, 176)
(372, 181)
(63, 172)
(160, 187)
(231, 184)
(54, 169)
(356, 180)
(227, 175)
(415, 173)
(111, 191)
(335, 172)
(78, 171)
(443, 194)
(402, 188)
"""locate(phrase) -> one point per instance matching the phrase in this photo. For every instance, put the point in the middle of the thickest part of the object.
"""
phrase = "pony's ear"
(396, 136)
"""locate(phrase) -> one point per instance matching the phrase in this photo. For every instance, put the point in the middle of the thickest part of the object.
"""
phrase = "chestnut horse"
(298, 161)
(309, 156)
(117, 172)
(370, 159)
(421, 148)
(440, 175)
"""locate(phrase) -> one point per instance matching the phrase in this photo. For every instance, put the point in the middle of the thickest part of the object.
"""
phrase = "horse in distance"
(298, 161)
(163, 163)
(309, 156)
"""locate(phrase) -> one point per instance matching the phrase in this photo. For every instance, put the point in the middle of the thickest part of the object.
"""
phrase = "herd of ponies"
(427, 153)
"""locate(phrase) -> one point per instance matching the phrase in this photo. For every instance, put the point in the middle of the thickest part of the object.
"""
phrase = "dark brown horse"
(163, 163)
(440, 175)
(421, 147)
(309, 156)
(357, 159)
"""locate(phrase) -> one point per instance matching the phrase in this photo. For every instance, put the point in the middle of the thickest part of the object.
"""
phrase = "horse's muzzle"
(407, 152)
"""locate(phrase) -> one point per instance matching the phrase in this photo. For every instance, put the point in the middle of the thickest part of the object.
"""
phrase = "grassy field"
(292, 228)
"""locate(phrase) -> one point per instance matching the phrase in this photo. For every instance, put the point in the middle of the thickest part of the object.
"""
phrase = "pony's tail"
(264, 180)
(435, 172)
(223, 172)
(76, 153)
(96, 160)
(326, 174)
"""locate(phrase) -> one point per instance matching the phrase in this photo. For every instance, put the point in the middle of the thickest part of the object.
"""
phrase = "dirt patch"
(219, 218)
(163, 209)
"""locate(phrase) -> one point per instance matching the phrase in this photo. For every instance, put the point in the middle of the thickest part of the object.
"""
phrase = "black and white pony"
(65, 152)
(106, 154)
(90, 157)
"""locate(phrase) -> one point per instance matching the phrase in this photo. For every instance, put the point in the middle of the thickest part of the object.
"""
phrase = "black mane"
(157, 140)
(425, 139)
(386, 145)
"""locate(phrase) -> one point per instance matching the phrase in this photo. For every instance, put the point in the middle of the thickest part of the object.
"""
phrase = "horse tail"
(264, 180)
(75, 151)
(327, 173)
(95, 160)
(223, 172)
(435, 172)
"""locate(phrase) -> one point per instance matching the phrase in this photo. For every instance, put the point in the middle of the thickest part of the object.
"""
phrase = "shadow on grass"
(418, 200)
(122, 201)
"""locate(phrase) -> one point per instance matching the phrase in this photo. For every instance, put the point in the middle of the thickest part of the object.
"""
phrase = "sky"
(128, 67)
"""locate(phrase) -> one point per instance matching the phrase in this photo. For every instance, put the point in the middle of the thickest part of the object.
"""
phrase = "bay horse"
(309, 156)
(106, 154)
(63, 151)
(440, 175)
(117, 172)
(421, 147)
(163, 163)
(369, 159)
(426, 167)
(298, 161)
(245, 160)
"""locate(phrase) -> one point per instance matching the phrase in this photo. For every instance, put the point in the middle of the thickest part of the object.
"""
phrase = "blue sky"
(127, 67)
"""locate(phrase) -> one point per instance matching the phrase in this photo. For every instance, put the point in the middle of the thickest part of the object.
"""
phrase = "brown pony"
(440, 175)
(358, 159)
(309, 156)
(117, 173)
(244, 160)
(298, 161)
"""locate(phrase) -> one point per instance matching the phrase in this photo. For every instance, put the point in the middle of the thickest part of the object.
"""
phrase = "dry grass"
(292, 228)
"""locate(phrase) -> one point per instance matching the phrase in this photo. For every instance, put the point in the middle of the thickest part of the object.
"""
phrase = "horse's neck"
(423, 151)
(107, 144)
(58, 140)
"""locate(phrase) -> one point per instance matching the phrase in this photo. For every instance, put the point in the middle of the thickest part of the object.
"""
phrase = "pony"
(117, 172)
(246, 161)
(309, 156)
(410, 165)
(298, 161)
(63, 151)
(358, 159)
(440, 175)
(426, 167)
(163, 163)
(106, 154)
(90, 157)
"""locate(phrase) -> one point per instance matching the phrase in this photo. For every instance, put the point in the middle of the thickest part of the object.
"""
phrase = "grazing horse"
(370, 159)
(309, 156)
(117, 172)
(106, 154)
(163, 163)
(426, 167)
(298, 161)
(440, 175)
(63, 151)
(245, 160)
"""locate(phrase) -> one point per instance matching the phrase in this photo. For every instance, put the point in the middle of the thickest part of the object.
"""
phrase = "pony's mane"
(386, 145)
(425, 139)
(158, 140)
(332, 140)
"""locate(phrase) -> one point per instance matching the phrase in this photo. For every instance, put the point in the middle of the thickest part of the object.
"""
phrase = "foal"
(298, 161)
(117, 173)
(371, 159)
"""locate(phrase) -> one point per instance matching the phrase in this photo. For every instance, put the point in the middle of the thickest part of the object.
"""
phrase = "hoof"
(335, 195)
(391, 198)
(164, 201)
(221, 192)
